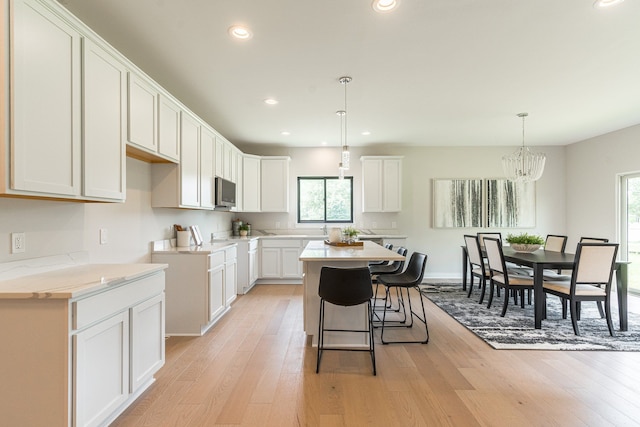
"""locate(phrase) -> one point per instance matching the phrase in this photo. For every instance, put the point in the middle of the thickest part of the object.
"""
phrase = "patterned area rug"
(516, 330)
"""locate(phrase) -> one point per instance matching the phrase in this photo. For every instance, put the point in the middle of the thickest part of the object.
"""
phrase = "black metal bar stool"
(346, 287)
(405, 281)
(394, 267)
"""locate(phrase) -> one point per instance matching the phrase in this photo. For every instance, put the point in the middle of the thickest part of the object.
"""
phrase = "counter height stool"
(345, 287)
(394, 267)
(407, 280)
(386, 246)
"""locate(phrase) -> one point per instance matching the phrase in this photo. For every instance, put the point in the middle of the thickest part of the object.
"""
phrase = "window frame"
(324, 179)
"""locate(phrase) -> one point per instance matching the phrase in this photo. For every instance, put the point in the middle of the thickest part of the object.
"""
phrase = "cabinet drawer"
(281, 243)
(216, 259)
(94, 308)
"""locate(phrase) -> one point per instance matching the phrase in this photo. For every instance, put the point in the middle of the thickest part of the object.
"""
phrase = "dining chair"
(593, 240)
(555, 243)
(590, 281)
(500, 277)
(478, 267)
(345, 287)
(493, 235)
(409, 279)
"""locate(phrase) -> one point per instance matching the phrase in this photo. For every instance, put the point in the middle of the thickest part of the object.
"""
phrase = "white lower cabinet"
(247, 268)
(101, 365)
(279, 259)
(200, 287)
(81, 361)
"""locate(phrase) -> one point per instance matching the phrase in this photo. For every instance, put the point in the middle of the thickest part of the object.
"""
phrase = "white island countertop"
(168, 247)
(318, 250)
(72, 282)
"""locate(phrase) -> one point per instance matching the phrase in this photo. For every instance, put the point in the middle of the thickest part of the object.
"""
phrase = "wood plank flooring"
(255, 368)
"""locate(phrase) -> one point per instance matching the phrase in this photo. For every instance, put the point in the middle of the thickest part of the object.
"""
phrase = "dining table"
(541, 260)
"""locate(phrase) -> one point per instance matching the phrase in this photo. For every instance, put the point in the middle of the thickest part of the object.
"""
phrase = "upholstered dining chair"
(555, 243)
(493, 235)
(345, 287)
(500, 277)
(593, 240)
(590, 281)
(478, 267)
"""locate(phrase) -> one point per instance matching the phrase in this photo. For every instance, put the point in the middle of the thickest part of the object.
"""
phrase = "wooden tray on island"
(344, 244)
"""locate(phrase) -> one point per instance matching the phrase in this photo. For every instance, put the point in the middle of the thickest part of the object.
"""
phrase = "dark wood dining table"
(540, 260)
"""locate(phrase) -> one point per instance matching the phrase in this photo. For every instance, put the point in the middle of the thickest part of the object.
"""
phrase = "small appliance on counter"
(235, 227)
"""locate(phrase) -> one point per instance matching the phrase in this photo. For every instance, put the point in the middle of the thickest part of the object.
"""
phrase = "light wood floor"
(254, 368)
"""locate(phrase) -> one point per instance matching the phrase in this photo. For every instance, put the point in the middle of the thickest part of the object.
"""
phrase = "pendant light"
(523, 165)
(345, 155)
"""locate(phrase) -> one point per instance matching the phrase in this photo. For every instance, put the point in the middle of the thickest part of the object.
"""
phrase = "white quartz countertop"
(73, 281)
(317, 250)
(167, 247)
(306, 236)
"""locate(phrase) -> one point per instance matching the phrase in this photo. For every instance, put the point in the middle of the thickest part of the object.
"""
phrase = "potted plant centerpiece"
(349, 234)
(525, 242)
(244, 230)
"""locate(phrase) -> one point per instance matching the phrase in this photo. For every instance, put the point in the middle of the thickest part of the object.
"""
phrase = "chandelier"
(344, 147)
(523, 165)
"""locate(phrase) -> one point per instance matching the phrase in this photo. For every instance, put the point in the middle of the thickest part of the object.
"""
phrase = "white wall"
(593, 167)
(420, 166)
(54, 227)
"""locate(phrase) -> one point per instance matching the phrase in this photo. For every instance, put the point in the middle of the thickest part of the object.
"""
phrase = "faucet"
(324, 229)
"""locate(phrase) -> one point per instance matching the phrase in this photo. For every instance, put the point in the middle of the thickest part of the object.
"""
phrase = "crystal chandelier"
(523, 165)
(345, 155)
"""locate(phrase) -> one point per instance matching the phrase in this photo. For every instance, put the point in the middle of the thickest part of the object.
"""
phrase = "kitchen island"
(318, 254)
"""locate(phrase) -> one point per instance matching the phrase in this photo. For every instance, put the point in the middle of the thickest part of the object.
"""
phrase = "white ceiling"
(434, 72)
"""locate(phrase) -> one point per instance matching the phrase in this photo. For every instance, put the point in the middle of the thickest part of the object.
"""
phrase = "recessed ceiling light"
(606, 3)
(366, 132)
(285, 133)
(240, 32)
(384, 5)
(271, 101)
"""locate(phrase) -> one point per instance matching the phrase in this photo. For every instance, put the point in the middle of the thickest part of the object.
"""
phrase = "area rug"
(516, 330)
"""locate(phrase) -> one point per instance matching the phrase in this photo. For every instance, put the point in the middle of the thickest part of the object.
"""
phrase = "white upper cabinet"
(104, 95)
(238, 172)
(250, 183)
(189, 161)
(46, 105)
(143, 114)
(274, 193)
(381, 183)
(169, 128)
(207, 163)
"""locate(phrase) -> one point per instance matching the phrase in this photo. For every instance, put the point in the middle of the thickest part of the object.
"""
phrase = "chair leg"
(505, 305)
(371, 344)
(563, 301)
(599, 304)
(573, 307)
(607, 309)
(490, 294)
(483, 286)
(423, 319)
(320, 335)
(471, 286)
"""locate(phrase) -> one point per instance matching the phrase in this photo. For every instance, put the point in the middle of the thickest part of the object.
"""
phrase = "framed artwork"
(510, 204)
(457, 203)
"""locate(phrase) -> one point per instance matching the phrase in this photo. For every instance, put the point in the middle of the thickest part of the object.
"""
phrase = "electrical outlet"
(374, 225)
(18, 243)
(394, 224)
(277, 224)
(104, 236)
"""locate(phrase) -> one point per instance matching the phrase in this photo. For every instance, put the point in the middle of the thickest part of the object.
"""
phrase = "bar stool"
(345, 287)
(394, 267)
(410, 278)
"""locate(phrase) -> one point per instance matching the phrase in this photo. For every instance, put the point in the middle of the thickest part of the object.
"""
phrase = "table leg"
(538, 295)
(621, 281)
(464, 268)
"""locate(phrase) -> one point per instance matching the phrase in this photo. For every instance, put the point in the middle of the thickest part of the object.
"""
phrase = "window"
(325, 199)
(630, 228)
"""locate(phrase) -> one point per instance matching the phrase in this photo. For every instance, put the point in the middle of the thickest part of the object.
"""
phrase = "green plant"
(350, 231)
(243, 227)
(525, 239)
